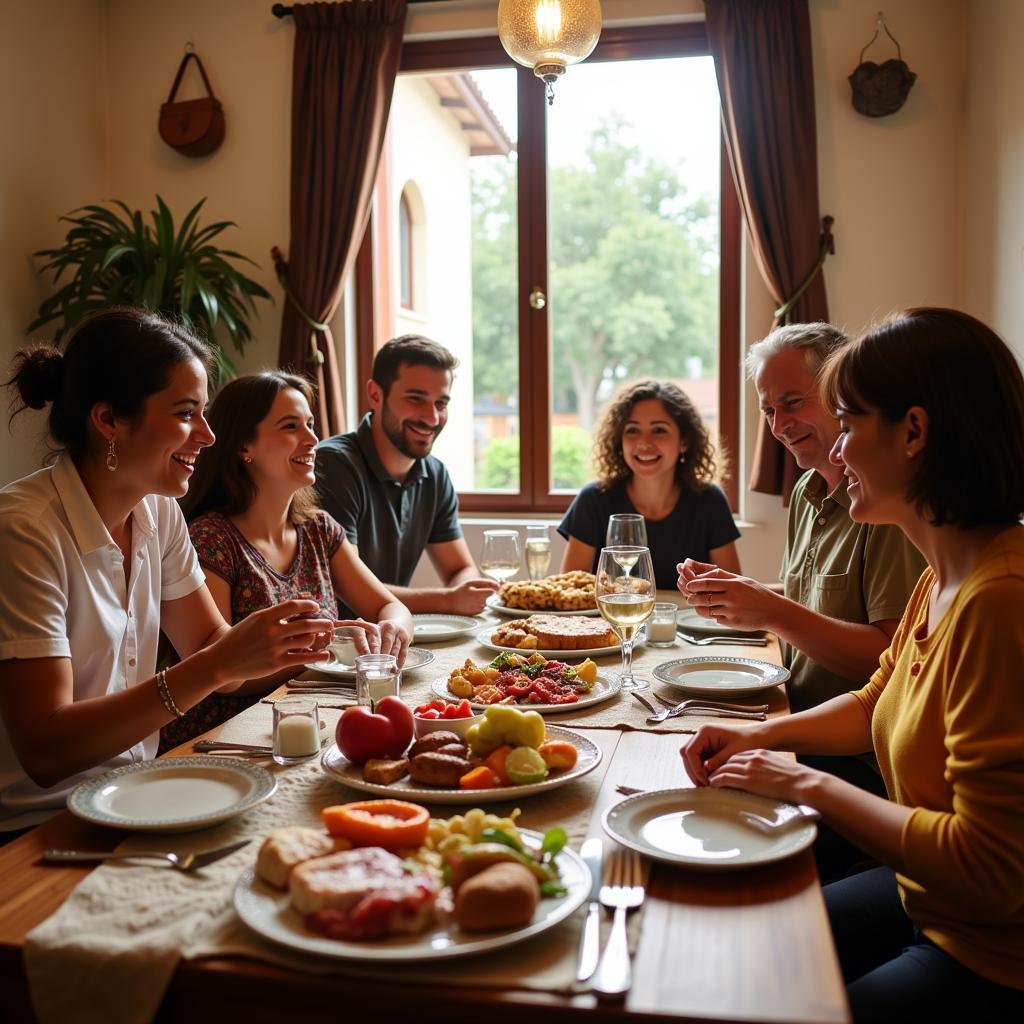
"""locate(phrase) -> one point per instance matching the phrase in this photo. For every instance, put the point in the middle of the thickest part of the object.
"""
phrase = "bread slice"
(285, 848)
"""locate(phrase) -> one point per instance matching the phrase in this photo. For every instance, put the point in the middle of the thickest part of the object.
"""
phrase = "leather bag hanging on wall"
(192, 127)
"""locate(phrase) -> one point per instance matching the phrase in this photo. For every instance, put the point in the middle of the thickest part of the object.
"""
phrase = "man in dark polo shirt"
(392, 497)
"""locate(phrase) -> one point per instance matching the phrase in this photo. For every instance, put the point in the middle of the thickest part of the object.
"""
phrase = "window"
(573, 249)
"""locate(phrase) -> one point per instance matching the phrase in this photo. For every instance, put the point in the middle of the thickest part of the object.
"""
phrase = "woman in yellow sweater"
(931, 408)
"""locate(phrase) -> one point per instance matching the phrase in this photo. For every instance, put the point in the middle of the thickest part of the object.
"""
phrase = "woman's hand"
(765, 773)
(394, 639)
(270, 640)
(712, 745)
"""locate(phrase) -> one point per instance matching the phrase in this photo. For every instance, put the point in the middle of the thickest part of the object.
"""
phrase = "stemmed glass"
(500, 556)
(626, 529)
(625, 597)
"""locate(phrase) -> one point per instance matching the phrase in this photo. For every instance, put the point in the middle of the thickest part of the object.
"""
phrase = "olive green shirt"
(851, 571)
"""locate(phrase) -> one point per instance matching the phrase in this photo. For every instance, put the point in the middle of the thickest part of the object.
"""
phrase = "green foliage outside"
(570, 461)
(633, 275)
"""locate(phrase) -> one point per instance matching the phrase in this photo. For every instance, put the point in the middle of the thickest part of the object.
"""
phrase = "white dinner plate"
(720, 677)
(415, 658)
(268, 913)
(605, 687)
(174, 794)
(523, 613)
(693, 622)
(484, 639)
(429, 628)
(702, 828)
(588, 758)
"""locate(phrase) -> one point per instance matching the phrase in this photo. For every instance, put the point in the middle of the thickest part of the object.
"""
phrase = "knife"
(590, 937)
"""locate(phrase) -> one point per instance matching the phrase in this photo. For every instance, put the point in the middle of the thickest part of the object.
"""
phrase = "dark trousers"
(834, 855)
(893, 973)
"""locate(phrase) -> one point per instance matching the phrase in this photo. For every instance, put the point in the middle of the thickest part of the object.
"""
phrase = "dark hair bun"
(38, 375)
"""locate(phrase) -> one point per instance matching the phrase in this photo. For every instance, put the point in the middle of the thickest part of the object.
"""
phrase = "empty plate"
(173, 794)
(721, 676)
(430, 628)
(704, 829)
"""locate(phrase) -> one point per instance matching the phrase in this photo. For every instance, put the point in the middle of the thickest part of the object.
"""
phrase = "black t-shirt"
(390, 522)
(700, 522)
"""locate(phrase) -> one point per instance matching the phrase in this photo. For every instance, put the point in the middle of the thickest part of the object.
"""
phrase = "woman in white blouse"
(95, 560)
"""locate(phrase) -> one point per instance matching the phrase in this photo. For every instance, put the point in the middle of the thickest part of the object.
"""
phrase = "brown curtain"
(762, 55)
(346, 60)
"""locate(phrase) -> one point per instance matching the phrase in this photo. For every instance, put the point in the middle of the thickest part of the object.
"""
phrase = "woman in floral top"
(260, 537)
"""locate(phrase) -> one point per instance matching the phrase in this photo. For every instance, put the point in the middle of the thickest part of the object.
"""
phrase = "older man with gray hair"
(844, 584)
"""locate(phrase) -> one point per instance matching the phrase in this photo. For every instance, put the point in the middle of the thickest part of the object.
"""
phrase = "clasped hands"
(729, 599)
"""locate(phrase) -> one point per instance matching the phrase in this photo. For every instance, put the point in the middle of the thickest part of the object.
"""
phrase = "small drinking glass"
(626, 601)
(343, 645)
(296, 729)
(538, 551)
(377, 676)
(626, 529)
(500, 556)
(661, 627)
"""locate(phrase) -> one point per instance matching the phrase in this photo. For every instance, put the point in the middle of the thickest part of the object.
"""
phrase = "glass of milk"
(377, 675)
(296, 729)
(661, 626)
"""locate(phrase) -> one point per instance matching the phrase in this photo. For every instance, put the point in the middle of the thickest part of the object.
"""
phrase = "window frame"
(685, 39)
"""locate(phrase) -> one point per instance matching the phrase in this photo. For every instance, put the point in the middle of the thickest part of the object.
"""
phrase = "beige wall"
(53, 159)
(994, 146)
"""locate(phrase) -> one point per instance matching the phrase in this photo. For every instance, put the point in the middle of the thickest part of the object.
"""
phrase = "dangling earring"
(247, 459)
(682, 457)
(111, 456)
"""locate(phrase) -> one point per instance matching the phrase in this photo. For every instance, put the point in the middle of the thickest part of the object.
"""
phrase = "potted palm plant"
(119, 259)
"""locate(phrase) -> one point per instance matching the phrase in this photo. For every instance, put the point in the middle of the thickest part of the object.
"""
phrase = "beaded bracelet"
(165, 694)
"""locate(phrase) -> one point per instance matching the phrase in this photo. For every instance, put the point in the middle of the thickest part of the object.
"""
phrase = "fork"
(623, 891)
(183, 862)
(696, 708)
(696, 702)
(704, 641)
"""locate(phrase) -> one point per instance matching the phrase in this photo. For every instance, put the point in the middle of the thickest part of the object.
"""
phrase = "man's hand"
(469, 596)
(729, 599)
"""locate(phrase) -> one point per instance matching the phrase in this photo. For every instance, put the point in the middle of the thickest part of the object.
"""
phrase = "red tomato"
(383, 731)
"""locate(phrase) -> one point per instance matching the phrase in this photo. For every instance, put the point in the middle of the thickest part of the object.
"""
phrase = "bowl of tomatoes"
(454, 717)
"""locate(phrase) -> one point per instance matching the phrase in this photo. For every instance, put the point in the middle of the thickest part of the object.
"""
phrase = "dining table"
(707, 945)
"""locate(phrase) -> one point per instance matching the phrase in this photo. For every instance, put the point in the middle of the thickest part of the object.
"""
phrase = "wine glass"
(500, 556)
(625, 597)
(538, 551)
(626, 530)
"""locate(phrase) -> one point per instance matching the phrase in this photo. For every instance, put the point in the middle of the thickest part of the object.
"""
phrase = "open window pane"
(451, 181)
(633, 193)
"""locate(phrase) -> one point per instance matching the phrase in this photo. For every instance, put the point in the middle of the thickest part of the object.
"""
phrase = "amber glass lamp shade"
(549, 35)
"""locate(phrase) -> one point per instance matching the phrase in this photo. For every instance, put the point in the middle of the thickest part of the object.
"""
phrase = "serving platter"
(173, 794)
(483, 638)
(415, 658)
(703, 828)
(524, 613)
(431, 628)
(720, 677)
(606, 686)
(268, 913)
(335, 764)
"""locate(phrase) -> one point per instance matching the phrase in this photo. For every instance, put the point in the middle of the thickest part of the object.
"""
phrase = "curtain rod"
(284, 11)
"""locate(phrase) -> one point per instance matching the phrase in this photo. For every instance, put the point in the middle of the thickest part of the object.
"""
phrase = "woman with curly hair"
(653, 457)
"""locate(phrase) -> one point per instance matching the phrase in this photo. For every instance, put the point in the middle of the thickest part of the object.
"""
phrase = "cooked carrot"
(390, 824)
(496, 763)
(479, 778)
(558, 755)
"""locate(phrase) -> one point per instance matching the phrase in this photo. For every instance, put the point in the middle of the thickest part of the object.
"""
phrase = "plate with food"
(495, 605)
(566, 593)
(709, 829)
(528, 680)
(431, 628)
(359, 891)
(174, 794)
(552, 635)
(720, 676)
(415, 658)
(442, 767)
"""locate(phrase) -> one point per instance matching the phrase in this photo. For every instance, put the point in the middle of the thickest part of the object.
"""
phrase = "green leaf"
(554, 840)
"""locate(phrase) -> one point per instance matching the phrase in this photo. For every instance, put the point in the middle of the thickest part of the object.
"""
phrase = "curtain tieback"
(316, 357)
(826, 247)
